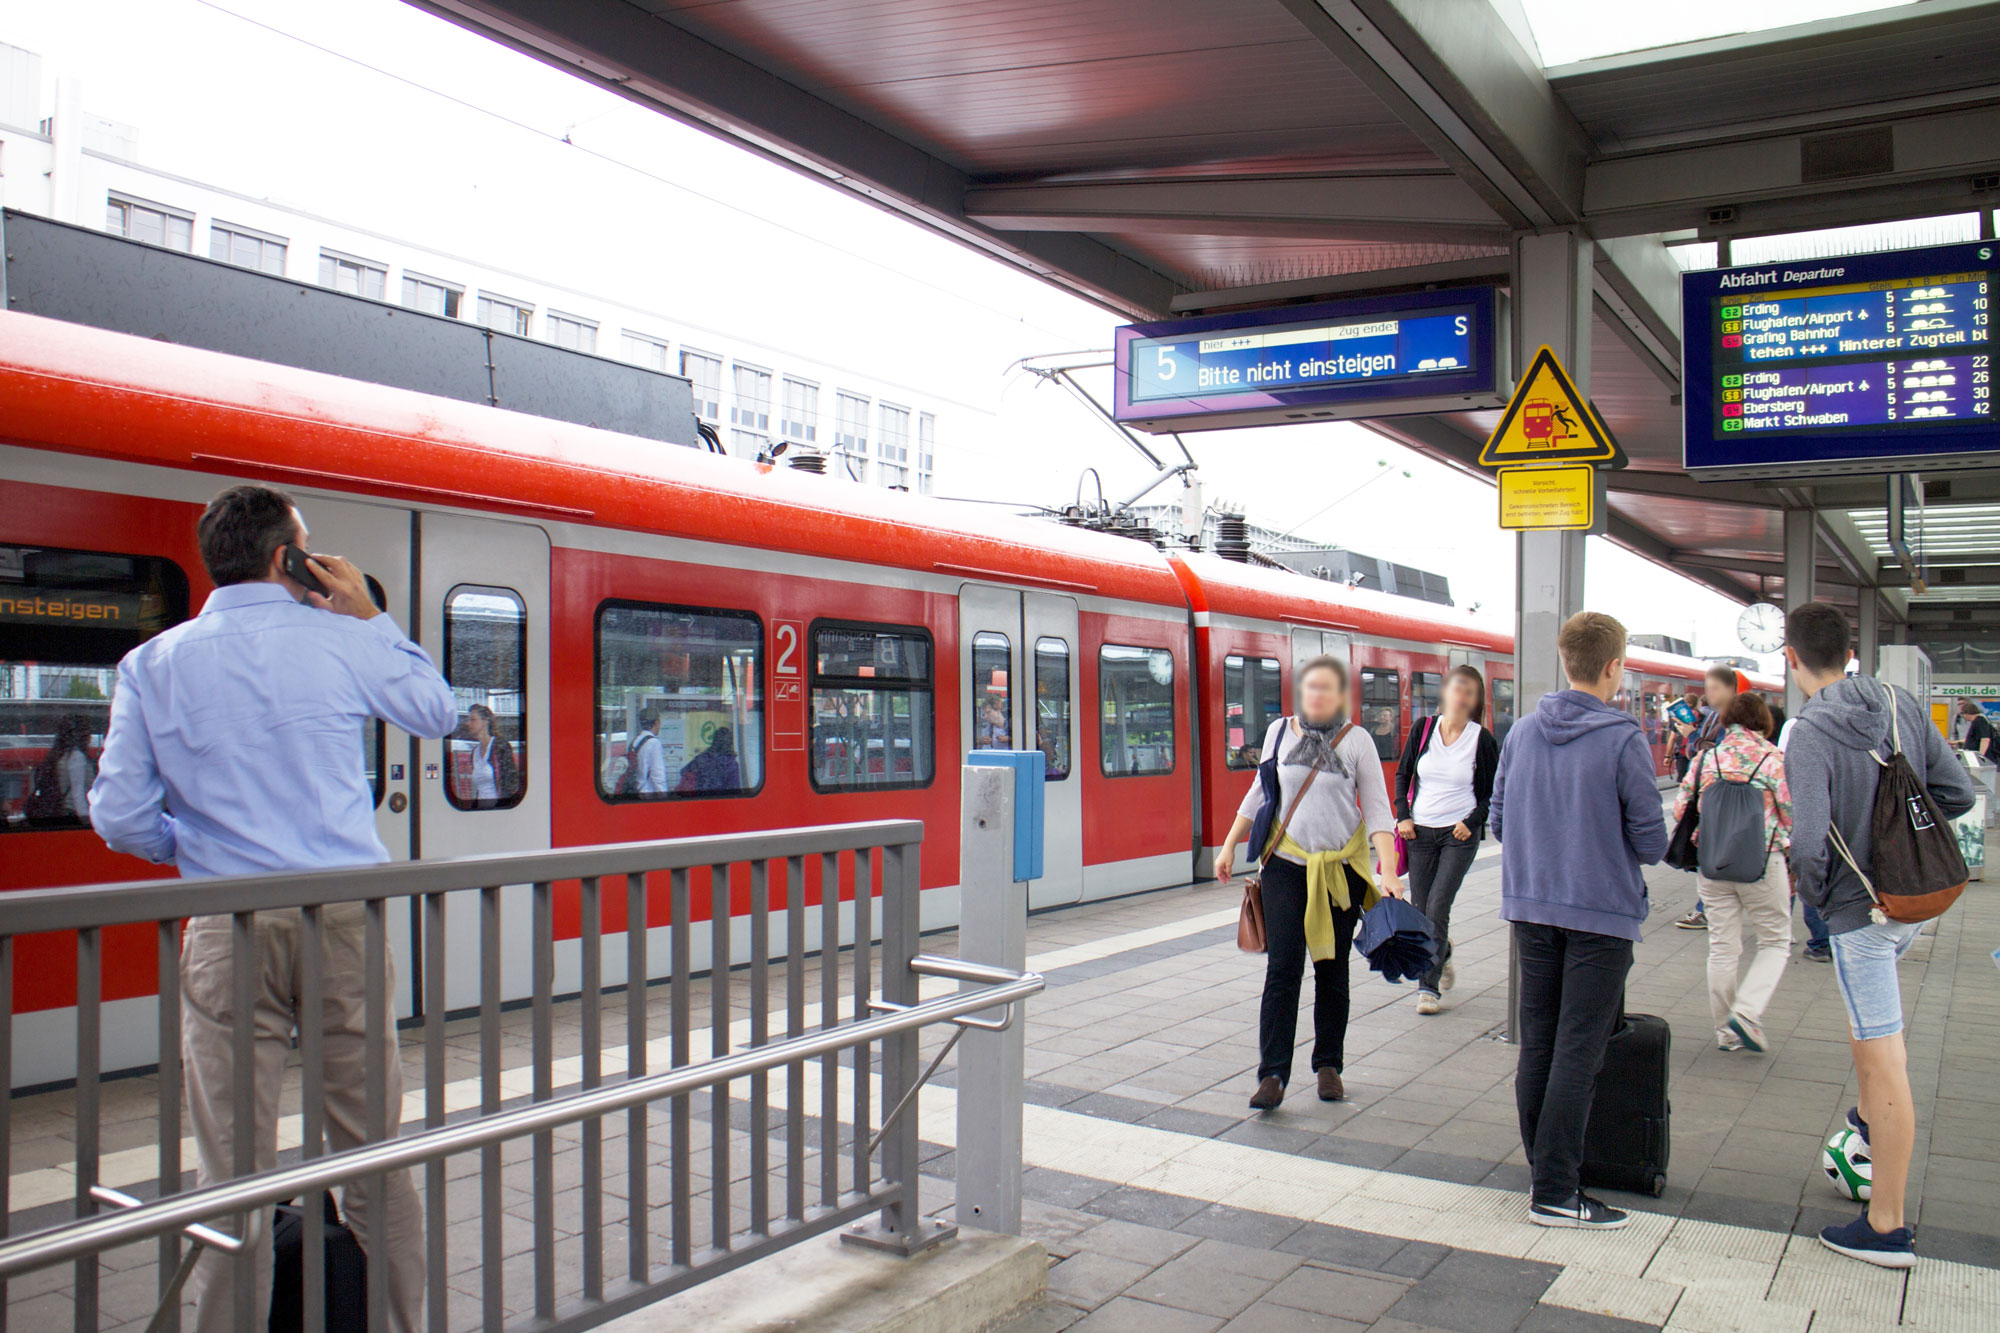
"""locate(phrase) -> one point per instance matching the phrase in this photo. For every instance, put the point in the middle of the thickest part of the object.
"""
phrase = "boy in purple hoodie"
(1577, 813)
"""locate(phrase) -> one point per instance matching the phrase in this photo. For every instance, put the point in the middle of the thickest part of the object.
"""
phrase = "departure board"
(1426, 351)
(1841, 363)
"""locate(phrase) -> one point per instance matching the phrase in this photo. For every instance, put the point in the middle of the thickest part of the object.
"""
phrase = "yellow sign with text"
(1547, 421)
(1548, 499)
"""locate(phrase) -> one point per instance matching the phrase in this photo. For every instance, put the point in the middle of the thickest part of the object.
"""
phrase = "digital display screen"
(1350, 358)
(1841, 361)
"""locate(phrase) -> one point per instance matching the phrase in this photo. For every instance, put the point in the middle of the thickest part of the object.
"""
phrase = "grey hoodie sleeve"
(1809, 776)
(1645, 825)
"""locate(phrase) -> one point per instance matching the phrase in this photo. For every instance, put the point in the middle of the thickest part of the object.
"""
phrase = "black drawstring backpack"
(1919, 870)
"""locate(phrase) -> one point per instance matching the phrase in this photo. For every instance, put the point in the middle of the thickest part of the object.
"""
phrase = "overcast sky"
(384, 117)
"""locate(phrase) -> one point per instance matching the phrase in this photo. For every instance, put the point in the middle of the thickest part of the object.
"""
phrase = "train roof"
(1227, 587)
(89, 391)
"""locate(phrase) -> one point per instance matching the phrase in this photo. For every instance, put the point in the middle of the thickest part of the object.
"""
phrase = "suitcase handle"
(199, 1237)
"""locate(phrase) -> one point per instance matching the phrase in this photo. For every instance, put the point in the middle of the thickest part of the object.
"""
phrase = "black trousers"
(1571, 992)
(1284, 969)
(1438, 863)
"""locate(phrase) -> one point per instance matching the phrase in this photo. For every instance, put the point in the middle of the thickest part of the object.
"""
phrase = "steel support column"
(1869, 629)
(1552, 305)
(1801, 538)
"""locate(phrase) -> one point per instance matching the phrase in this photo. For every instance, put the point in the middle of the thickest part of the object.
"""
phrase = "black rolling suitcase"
(346, 1268)
(1628, 1140)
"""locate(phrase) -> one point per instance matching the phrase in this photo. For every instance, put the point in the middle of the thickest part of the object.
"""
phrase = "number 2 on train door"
(788, 685)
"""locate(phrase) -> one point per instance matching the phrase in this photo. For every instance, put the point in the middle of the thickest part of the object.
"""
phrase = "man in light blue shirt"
(235, 747)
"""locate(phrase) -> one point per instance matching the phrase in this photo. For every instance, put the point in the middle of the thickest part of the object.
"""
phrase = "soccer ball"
(1847, 1164)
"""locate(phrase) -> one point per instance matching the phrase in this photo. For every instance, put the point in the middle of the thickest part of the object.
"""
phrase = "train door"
(485, 788)
(1310, 643)
(377, 538)
(1017, 655)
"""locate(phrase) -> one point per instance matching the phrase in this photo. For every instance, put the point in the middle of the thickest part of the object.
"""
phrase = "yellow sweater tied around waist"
(1326, 886)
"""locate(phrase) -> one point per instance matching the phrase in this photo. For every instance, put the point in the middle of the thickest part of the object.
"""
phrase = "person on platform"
(494, 779)
(1443, 785)
(1979, 736)
(234, 747)
(1577, 812)
(1722, 685)
(1846, 730)
(715, 769)
(1318, 880)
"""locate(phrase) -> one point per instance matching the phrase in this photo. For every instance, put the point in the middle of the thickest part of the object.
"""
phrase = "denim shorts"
(1864, 966)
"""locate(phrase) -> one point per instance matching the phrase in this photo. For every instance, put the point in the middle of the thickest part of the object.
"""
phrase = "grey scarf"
(1315, 747)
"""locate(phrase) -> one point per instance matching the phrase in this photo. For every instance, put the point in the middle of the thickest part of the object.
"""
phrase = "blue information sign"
(1863, 363)
(1373, 356)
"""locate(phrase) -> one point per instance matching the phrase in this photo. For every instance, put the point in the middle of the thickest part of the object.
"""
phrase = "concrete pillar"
(1552, 295)
(1801, 553)
(1869, 630)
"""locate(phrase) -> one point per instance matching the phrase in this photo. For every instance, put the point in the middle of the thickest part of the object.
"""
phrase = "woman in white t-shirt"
(1443, 782)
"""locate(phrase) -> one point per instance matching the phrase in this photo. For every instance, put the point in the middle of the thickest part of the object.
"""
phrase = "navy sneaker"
(1859, 1240)
(1581, 1211)
(1821, 953)
(1856, 1123)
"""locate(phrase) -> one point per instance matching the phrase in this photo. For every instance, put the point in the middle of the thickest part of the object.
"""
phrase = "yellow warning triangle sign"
(1547, 421)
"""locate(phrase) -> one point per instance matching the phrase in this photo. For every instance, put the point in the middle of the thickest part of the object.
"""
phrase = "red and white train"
(848, 645)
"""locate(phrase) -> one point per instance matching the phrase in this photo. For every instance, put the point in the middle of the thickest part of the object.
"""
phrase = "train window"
(374, 730)
(872, 724)
(1426, 695)
(1382, 710)
(1503, 709)
(680, 704)
(1052, 711)
(992, 702)
(66, 617)
(1136, 697)
(1250, 703)
(486, 664)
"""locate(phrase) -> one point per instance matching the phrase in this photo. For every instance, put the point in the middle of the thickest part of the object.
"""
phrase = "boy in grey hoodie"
(1831, 766)
(1577, 813)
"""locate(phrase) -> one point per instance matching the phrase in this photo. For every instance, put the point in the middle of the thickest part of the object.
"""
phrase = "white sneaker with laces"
(1725, 1040)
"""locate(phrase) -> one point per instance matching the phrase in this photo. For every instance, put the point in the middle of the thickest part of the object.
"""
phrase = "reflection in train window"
(1250, 705)
(1503, 709)
(1135, 689)
(992, 701)
(680, 705)
(486, 665)
(1052, 720)
(872, 725)
(66, 617)
(1426, 695)
(1382, 710)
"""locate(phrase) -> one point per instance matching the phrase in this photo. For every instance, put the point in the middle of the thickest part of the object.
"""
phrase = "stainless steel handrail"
(93, 1235)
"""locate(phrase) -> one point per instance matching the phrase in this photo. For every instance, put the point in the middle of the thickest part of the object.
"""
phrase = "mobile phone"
(300, 572)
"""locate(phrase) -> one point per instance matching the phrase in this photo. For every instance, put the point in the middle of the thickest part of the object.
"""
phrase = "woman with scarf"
(1319, 878)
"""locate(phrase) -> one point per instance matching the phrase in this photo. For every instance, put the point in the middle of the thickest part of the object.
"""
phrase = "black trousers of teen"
(1438, 863)
(1284, 969)
(1571, 991)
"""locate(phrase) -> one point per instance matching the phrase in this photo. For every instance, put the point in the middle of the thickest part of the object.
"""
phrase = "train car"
(800, 650)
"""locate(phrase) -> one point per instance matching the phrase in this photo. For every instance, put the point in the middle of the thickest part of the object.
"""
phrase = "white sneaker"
(1427, 1003)
(1725, 1040)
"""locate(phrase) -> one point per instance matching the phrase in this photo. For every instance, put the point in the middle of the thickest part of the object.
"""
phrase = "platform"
(1165, 1204)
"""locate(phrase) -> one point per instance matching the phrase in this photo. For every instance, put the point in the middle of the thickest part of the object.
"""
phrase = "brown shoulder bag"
(1250, 937)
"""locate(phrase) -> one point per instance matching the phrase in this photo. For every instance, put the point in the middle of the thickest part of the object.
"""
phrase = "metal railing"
(664, 1249)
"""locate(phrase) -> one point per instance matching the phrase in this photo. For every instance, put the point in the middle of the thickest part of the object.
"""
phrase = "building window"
(66, 617)
(1426, 695)
(926, 451)
(992, 700)
(1250, 704)
(643, 351)
(871, 708)
(705, 374)
(155, 224)
(892, 450)
(800, 423)
(577, 334)
(1052, 716)
(486, 664)
(850, 433)
(356, 277)
(1382, 710)
(750, 413)
(432, 296)
(1135, 688)
(245, 248)
(680, 705)
(504, 316)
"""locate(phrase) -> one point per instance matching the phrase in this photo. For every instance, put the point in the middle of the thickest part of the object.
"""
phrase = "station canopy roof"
(1181, 155)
